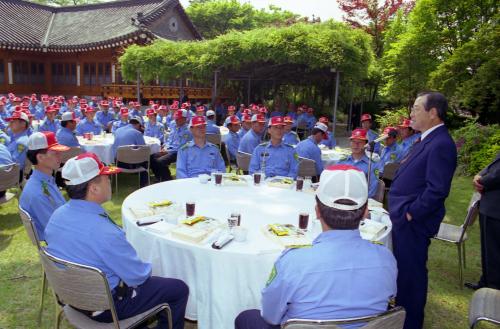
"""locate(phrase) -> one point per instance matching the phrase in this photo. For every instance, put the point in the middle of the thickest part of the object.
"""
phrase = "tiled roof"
(26, 25)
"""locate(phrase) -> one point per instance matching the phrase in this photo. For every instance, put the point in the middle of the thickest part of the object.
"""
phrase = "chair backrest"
(9, 176)
(71, 153)
(307, 167)
(228, 156)
(392, 319)
(214, 139)
(470, 217)
(80, 286)
(133, 154)
(390, 170)
(29, 227)
(243, 160)
(379, 196)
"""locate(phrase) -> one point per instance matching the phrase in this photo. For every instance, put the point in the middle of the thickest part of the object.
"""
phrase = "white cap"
(136, 118)
(68, 116)
(321, 126)
(84, 167)
(45, 140)
(343, 182)
(210, 113)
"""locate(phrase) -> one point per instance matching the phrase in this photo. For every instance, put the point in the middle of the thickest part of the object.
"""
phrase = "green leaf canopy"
(301, 52)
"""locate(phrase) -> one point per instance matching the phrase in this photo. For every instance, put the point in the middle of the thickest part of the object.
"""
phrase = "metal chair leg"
(460, 268)
(58, 312)
(42, 295)
(463, 253)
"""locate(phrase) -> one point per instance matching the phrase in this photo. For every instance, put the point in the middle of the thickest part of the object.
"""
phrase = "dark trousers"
(2, 194)
(160, 163)
(153, 292)
(251, 319)
(490, 251)
(143, 176)
(410, 250)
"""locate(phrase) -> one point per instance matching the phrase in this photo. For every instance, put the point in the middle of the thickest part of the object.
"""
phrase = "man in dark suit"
(416, 201)
(487, 182)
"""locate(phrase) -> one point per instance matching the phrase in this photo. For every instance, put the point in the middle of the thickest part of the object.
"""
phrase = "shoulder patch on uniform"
(296, 156)
(2, 140)
(20, 148)
(272, 276)
(377, 172)
(186, 145)
(393, 156)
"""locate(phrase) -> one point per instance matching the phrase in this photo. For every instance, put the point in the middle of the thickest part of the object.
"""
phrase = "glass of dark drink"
(303, 220)
(256, 178)
(236, 214)
(299, 183)
(218, 178)
(190, 206)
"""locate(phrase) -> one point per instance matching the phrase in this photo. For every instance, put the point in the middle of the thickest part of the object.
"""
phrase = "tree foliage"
(308, 47)
(216, 17)
(61, 3)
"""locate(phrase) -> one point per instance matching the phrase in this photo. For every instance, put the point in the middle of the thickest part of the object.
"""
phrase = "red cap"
(258, 118)
(151, 103)
(131, 103)
(276, 121)
(180, 114)
(198, 121)
(406, 123)
(200, 108)
(50, 109)
(150, 112)
(263, 110)
(89, 109)
(83, 101)
(17, 99)
(124, 111)
(232, 119)
(388, 130)
(323, 120)
(162, 108)
(288, 119)
(246, 118)
(359, 134)
(174, 106)
(231, 108)
(366, 117)
(18, 115)
(310, 110)
(155, 107)
(45, 140)
(185, 105)
(246, 111)
(104, 103)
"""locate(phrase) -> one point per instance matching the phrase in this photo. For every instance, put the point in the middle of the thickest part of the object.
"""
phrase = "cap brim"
(110, 171)
(59, 148)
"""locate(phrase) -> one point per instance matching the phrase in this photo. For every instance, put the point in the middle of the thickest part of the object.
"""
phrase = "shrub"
(391, 117)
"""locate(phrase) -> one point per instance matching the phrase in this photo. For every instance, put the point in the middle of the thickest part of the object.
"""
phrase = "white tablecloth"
(103, 146)
(222, 282)
(331, 156)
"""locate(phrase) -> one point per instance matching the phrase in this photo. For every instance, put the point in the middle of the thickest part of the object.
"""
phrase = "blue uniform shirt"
(48, 125)
(310, 150)
(362, 164)
(389, 154)
(178, 136)
(407, 143)
(212, 128)
(5, 157)
(85, 126)
(233, 142)
(18, 148)
(281, 160)
(67, 137)
(81, 232)
(127, 135)
(340, 276)
(249, 142)
(4, 138)
(105, 117)
(118, 124)
(154, 130)
(309, 119)
(242, 132)
(193, 160)
(372, 136)
(291, 138)
(39, 112)
(40, 198)
(330, 142)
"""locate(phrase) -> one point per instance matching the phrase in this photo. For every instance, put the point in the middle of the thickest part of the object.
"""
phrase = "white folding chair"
(135, 155)
(9, 178)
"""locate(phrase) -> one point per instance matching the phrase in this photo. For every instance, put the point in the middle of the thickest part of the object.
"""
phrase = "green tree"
(217, 17)
(61, 3)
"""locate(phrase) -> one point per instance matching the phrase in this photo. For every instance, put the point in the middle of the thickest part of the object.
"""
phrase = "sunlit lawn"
(20, 273)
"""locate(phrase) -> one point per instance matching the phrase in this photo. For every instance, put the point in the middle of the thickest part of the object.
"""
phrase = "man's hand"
(408, 217)
(476, 182)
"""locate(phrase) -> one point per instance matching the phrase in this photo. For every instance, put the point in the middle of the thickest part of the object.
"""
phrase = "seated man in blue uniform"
(274, 158)
(308, 148)
(198, 156)
(212, 128)
(408, 137)
(82, 232)
(341, 275)
(41, 196)
(122, 122)
(50, 123)
(18, 146)
(233, 139)
(105, 116)
(66, 134)
(131, 135)
(5, 160)
(153, 128)
(366, 124)
(391, 153)
(359, 159)
(179, 136)
(330, 141)
(246, 124)
(89, 124)
(290, 137)
(252, 138)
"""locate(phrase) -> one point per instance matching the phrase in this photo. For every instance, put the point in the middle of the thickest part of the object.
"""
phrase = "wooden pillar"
(113, 73)
(10, 73)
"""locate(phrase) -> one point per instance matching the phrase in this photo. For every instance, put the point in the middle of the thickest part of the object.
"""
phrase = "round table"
(332, 156)
(222, 282)
(102, 146)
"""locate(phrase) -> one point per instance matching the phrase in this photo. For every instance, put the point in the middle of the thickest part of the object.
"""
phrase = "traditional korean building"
(73, 50)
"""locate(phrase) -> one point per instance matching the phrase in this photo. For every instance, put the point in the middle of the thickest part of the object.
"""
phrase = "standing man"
(19, 125)
(487, 182)
(330, 141)
(252, 138)
(290, 137)
(152, 128)
(66, 134)
(41, 196)
(416, 201)
(82, 232)
(198, 156)
(274, 158)
(308, 148)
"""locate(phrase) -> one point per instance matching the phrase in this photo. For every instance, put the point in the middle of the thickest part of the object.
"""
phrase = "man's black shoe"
(474, 286)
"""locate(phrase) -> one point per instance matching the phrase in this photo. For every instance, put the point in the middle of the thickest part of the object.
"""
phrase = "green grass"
(20, 273)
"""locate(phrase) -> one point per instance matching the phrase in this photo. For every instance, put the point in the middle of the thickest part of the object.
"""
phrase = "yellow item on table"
(193, 220)
(278, 229)
(156, 204)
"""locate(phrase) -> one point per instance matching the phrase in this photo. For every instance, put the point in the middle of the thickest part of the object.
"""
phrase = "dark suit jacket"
(423, 182)
(490, 179)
